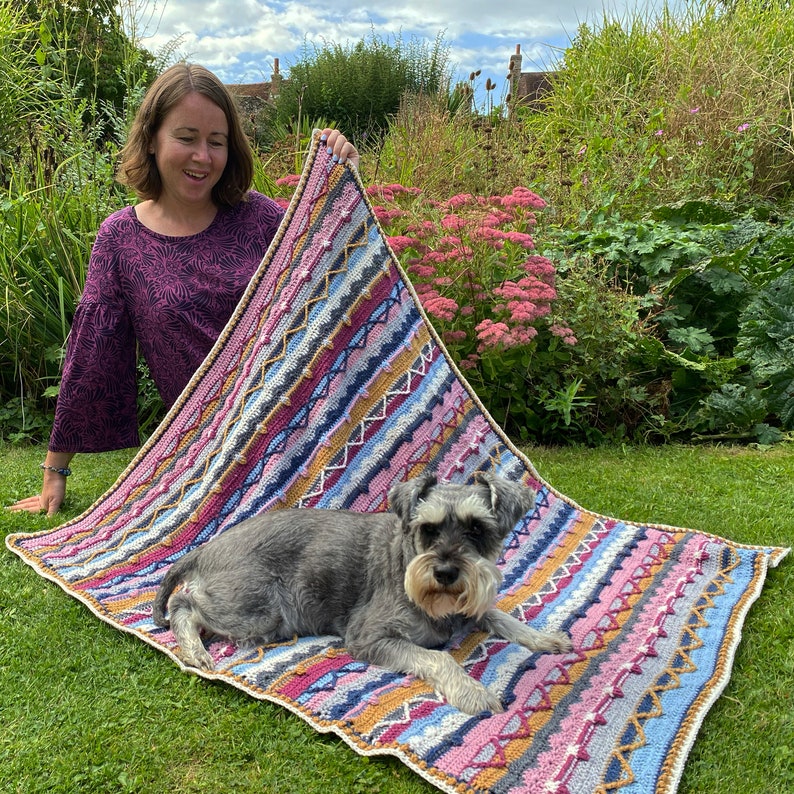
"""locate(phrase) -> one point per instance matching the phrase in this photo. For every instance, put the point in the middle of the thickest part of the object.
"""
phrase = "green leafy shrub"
(703, 273)
(47, 221)
(737, 411)
(619, 396)
(766, 342)
(359, 87)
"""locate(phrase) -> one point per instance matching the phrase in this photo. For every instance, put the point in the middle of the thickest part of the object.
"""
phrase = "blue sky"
(239, 40)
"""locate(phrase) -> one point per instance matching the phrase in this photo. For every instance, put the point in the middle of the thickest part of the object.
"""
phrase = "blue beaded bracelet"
(64, 472)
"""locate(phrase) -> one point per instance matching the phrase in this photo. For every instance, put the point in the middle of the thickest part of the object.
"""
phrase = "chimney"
(275, 80)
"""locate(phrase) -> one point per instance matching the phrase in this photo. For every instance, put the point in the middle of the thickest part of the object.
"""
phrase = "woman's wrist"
(64, 471)
(58, 463)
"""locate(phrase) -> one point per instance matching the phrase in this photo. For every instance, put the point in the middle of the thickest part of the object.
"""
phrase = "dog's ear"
(404, 496)
(510, 500)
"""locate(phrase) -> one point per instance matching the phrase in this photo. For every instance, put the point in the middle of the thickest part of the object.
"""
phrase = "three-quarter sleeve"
(96, 409)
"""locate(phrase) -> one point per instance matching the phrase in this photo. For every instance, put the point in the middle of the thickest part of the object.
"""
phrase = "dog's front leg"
(437, 668)
(509, 628)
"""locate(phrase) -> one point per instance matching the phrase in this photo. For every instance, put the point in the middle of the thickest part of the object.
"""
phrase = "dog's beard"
(471, 595)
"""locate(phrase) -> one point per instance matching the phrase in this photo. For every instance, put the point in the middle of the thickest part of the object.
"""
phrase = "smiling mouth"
(195, 175)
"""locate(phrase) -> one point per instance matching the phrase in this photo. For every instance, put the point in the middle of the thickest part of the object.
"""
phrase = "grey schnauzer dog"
(394, 585)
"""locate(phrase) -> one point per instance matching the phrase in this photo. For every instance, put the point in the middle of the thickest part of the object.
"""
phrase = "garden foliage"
(613, 265)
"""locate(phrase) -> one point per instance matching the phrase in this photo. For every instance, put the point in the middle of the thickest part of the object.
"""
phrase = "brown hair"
(137, 168)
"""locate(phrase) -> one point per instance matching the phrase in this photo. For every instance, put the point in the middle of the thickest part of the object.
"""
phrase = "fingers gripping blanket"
(327, 387)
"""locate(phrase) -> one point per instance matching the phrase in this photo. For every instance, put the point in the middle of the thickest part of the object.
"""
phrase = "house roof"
(258, 90)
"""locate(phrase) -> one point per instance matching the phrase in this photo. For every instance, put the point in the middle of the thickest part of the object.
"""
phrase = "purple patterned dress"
(169, 296)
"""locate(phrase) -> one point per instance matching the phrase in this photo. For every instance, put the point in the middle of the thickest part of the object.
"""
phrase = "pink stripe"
(298, 684)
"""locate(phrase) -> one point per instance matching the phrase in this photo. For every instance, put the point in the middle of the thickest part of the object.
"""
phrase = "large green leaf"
(766, 342)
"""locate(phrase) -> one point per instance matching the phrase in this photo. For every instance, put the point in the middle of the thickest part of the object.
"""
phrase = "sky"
(239, 39)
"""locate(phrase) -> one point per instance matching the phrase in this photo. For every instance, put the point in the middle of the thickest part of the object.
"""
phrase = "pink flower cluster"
(525, 301)
(291, 180)
(387, 216)
(500, 335)
(564, 333)
(399, 243)
(391, 192)
(473, 264)
(522, 197)
(439, 306)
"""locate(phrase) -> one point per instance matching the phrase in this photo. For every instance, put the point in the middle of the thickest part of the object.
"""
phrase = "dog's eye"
(476, 531)
(475, 528)
(429, 533)
(477, 534)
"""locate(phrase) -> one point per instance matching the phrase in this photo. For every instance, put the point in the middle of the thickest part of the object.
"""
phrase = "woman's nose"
(201, 151)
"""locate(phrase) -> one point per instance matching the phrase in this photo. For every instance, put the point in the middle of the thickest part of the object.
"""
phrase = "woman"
(165, 274)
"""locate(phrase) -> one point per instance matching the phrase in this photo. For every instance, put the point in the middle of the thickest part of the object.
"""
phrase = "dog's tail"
(175, 574)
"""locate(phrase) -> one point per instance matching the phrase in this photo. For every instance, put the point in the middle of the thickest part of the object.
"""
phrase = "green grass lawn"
(87, 708)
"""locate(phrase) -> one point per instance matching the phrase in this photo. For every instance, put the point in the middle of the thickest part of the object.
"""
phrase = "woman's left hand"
(340, 146)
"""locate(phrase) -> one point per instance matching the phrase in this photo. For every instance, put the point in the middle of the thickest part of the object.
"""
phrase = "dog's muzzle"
(445, 587)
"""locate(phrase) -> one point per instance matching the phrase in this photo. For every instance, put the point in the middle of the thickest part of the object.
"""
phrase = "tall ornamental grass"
(48, 218)
(446, 152)
(57, 154)
(691, 100)
(17, 57)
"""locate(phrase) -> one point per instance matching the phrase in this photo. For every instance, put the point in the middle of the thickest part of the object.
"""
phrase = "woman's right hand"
(51, 497)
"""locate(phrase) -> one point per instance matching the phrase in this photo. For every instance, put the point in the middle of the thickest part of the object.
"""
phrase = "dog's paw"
(197, 657)
(473, 698)
(534, 640)
(555, 642)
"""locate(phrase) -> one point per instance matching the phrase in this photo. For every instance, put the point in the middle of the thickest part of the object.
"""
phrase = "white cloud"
(239, 41)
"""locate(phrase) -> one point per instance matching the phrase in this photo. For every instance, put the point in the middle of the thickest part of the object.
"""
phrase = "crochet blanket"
(328, 386)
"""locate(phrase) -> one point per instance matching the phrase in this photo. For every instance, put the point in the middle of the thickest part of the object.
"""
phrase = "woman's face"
(191, 149)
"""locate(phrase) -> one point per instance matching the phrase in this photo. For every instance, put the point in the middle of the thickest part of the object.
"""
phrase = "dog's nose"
(446, 574)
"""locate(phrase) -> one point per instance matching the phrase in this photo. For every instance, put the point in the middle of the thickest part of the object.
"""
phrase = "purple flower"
(743, 127)
(659, 133)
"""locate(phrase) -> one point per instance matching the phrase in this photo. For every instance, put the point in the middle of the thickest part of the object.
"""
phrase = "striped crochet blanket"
(327, 387)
